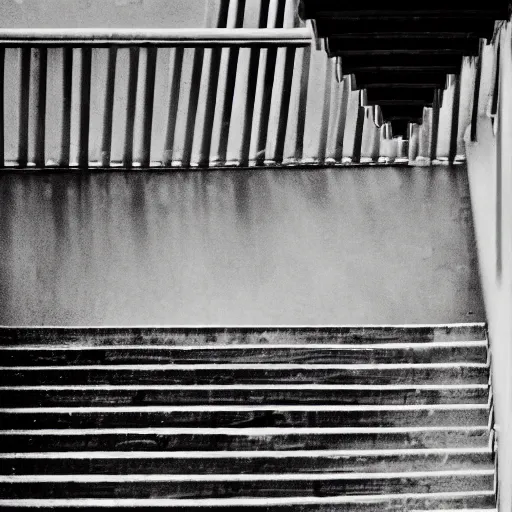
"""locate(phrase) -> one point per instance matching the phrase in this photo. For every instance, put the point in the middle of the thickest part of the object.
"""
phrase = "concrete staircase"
(394, 418)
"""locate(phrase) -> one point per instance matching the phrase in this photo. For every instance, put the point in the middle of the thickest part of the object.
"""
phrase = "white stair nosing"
(226, 454)
(242, 346)
(208, 387)
(249, 366)
(253, 431)
(240, 477)
(237, 502)
(221, 328)
(239, 408)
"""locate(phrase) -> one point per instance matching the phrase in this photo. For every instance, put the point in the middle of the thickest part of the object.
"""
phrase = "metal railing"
(181, 98)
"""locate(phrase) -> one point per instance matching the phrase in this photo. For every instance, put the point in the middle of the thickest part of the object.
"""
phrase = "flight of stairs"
(302, 419)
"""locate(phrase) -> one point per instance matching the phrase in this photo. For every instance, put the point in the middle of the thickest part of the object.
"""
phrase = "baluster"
(358, 136)
(2, 114)
(149, 98)
(195, 82)
(24, 106)
(454, 134)
(85, 112)
(108, 116)
(174, 93)
(435, 125)
(133, 74)
(67, 86)
(41, 111)
(476, 93)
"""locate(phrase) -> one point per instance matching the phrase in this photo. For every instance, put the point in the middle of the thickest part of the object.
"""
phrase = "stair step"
(242, 485)
(87, 336)
(90, 395)
(311, 419)
(266, 462)
(462, 502)
(219, 439)
(438, 352)
(245, 416)
(445, 373)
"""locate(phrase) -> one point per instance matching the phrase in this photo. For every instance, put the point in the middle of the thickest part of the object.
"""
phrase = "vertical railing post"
(24, 106)
(358, 136)
(297, 113)
(476, 93)
(195, 82)
(67, 86)
(2, 113)
(106, 145)
(174, 98)
(133, 75)
(435, 125)
(149, 98)
(85, 113)
(326, 112)
(454, 135)
(41, 109)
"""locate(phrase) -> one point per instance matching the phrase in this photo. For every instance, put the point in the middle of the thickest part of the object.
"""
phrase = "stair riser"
(380, 375)
(231, 489)
(246, 419)
(243, 465)
(208, 336)
(395, 504)
(148, 355)
(222, 442)
(233, 396)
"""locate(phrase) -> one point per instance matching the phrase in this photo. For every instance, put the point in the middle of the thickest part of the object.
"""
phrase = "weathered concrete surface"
(491, 197)
(369, 245)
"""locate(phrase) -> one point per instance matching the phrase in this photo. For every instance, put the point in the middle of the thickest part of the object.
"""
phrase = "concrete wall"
(490, 202)
(374, 245)
(102, 13)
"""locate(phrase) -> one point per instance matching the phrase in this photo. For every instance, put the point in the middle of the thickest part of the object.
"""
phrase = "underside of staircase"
(324, 419)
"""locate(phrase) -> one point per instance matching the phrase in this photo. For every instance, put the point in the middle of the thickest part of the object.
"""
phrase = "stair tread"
(87, 336)
(242, 454)
(245, 346)
(405, 352)
(179, 387)
(248, 432)
(241, 501)
(242, 407)
(246, 418)
(243, 477)
(247, 366)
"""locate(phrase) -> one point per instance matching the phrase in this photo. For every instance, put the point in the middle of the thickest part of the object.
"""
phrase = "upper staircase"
(352, 419)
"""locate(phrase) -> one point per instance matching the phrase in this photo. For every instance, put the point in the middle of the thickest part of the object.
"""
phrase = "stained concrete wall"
(371, 245)
(491, 196)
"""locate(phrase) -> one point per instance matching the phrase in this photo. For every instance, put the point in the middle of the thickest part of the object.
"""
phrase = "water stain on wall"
(374, 245)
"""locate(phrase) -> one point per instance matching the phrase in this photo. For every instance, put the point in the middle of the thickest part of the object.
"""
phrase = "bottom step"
(461, 502)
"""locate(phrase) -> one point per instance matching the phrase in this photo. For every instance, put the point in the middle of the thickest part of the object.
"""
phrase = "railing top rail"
(185, 37)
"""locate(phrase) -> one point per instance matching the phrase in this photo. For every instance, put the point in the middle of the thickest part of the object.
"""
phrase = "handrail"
(183, 37)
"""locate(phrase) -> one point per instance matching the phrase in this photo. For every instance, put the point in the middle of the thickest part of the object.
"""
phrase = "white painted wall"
(102, 13)
(369, 245)
(497, 288)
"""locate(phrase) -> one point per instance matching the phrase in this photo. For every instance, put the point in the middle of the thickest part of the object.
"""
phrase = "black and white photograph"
(255, 256)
